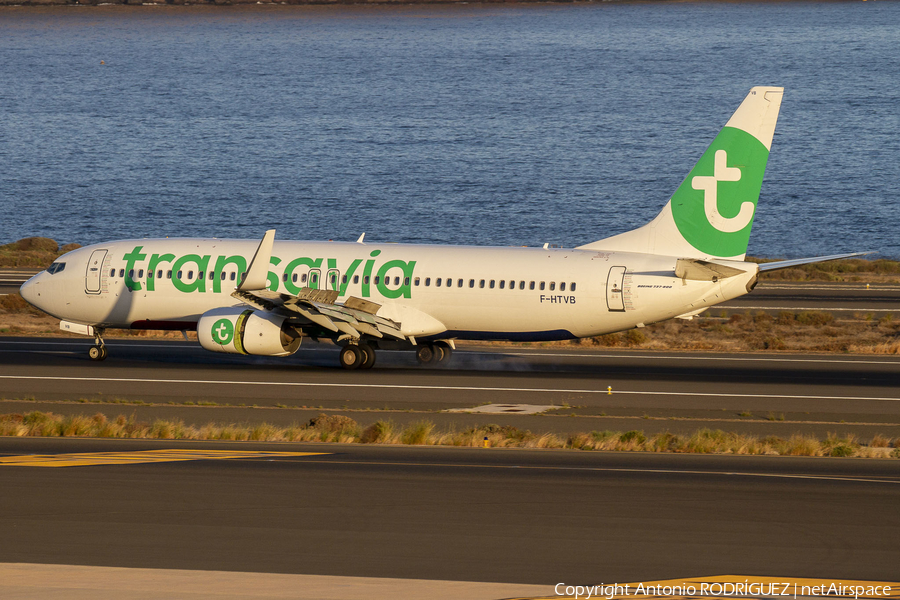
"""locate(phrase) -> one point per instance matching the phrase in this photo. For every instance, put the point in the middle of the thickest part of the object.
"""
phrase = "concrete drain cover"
(519, 409)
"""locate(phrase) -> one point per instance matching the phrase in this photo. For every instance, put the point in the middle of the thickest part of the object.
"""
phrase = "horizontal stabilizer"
(786, 264)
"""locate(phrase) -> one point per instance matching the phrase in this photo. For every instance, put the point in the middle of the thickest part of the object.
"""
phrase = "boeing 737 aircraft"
(263, 298)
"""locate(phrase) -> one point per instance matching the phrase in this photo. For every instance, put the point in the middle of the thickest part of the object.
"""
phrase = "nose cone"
(30, 290)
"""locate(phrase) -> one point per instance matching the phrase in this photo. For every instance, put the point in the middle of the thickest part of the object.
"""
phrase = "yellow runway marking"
(730, 587)
(142, 456)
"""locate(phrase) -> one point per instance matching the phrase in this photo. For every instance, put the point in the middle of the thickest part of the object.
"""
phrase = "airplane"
(262, 298)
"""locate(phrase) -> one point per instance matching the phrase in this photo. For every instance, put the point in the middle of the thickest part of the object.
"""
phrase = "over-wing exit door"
(614, 289)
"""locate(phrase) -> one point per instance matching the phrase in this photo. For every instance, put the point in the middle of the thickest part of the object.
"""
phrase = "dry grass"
(34, 252)
(341, 429)
(806, 331)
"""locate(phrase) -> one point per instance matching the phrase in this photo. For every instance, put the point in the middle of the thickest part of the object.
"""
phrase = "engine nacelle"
(239, 330)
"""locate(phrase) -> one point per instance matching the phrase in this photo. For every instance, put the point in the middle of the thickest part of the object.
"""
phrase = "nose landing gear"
(98, 350)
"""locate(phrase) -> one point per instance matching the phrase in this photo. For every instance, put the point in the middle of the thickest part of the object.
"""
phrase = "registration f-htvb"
(263, 297)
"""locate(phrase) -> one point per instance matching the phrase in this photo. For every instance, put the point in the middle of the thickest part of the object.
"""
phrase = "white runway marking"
(435, 387)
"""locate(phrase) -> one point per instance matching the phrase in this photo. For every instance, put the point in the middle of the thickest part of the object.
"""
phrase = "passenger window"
(512, 285)
(471, 283)
(531, 286)
(562, 286)
(427, 281)
(366, 280)
(232, 277)
(356, 279)
(343, 279)
(130, 274)
(481, 283)
(459, 283)
(406, 281)
(190, 274)
(200, 275)
(304, 277)
(169, 275)
(437, 282)
(502, 284)
(141, 274)
(284, 278)
(121, 272)
(522, 285)
(378, 278)
(542, 285)
(112, 273)
(416, 281)
(552, 286)
(294, 278)
(221, 275)
(314, 278)
(449, 282)
(179, 274)
(396, 281)
(492, 284)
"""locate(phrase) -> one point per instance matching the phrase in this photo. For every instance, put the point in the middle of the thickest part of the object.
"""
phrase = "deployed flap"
(703, 270)
(257, 275)
(354, 317)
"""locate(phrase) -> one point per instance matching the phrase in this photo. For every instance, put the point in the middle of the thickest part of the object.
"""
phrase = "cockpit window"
(56, 267)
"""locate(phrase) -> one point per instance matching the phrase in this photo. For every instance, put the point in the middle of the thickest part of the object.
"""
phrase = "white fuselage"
(526, 294)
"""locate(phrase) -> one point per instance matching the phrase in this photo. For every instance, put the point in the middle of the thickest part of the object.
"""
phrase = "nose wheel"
(98, 350)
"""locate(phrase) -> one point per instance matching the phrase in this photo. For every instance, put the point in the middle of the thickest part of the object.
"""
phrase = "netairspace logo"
(745, 589)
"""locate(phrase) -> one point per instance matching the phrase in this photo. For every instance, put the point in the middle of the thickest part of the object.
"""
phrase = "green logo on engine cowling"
(222, 332)
(714, 206)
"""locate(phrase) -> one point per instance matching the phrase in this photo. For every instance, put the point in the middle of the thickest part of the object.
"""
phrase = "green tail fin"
(711, 213)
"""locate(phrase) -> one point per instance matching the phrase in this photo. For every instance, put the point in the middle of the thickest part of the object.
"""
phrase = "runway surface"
(753, 393)
(453, 514)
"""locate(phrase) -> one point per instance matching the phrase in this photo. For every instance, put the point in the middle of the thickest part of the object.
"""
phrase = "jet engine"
(240, 330)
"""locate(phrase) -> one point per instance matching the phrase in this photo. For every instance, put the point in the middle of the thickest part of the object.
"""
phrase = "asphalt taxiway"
(512, 516)
(591, 389)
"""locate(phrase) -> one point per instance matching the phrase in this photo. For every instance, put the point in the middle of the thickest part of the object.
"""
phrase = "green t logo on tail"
(714, 206)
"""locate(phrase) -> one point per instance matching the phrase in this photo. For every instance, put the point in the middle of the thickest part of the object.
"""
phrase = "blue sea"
(455, 124)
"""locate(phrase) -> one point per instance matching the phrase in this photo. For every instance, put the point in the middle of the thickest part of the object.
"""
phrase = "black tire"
(368, 356)
(97, 353)
(351, 357)
(425, 354)
(447, 352)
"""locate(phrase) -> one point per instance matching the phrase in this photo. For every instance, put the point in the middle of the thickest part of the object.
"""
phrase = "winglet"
(361, 238)
(257, 275)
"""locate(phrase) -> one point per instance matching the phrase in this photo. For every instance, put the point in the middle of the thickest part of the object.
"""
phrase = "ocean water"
(460, 124)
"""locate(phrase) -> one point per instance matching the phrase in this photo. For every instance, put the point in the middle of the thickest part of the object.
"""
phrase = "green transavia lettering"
(391, 279)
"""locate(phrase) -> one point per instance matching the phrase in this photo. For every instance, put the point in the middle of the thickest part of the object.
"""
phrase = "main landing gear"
(98, 350)
(434, 354)
(357, 356)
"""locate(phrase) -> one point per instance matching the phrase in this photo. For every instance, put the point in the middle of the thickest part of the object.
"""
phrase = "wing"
(354, 318)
